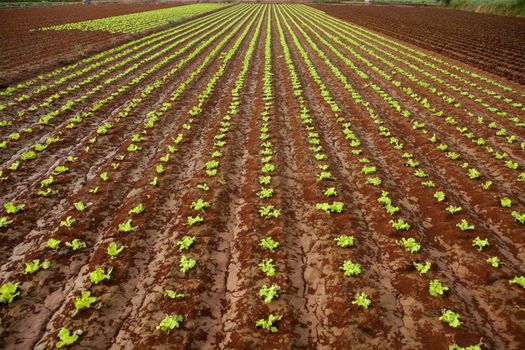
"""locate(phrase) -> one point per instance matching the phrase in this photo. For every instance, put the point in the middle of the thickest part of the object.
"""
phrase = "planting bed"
(263, 177)
(492, 43)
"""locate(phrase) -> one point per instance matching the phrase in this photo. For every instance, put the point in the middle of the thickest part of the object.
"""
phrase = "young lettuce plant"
(409, 244)
(114, 250)
(200, 205)
(519, 280)
(422, 268)
(451, 209)
(83, 302)
(350, 268)
(269, 212)
(268, 293)
(436, 288)
(493, 261)
(186, 264)
(80, 206)
(480, 243)
(399, 224)
(66, 337)
(194, 220)
(76, 244)
(267, 267)
(362, 300)
(268, 324)
(450, 317)
(269, 244)
(53, 243)
(170, 322)
(8, 292)
(12, 208)
(185, 243)
(138, 209)
(344, 241)
(68, 222)
(519, 217)
(4, 221)
(100, 275)
(172, 294)
(126, 226)
(464, 225)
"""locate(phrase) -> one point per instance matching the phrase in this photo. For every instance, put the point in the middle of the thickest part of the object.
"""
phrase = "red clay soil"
(492, 43)
(22, 52)
(221, 303)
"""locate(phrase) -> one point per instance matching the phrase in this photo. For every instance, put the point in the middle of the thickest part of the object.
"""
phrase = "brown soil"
(221, 303)
(492, 43)
(24, 52)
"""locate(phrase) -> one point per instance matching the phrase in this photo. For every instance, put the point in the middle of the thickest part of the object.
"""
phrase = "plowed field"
(263, 177)
(489, 42)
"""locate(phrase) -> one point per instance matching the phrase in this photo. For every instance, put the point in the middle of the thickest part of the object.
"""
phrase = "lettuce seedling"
(138, 209)
(53, 243)
(60, 170)
(29, 155)
(420, 173)
(430, 184)
(185, 243)
(8, 292)
(265, 180)
(265, 193)
(203, 186)
(268, 324)
(83, 302)
(100, 275)
(35, 265)
(269, 212)
(440, 196)
(47, 181)
(473, 173)
(374, 181)
(267, 267)
(506, 202)
(93, 190)
(269, 244)
(362, 300)
(104, 176)
(186, 264)
(480, 243)
(399, 224)
(269, 293)
(14, 166)
(422, 268)
(450, 317)
(453, 209)
(519, 280)
(76, 244)
(520, 217)
(330, 192)
(350, 268)
(344, 241)
(409, 244)
(436, 288)
(368, 169)
(66, 338)
(127, 226)
(464, 225)
(67, 222)
(133, 148)
(4, 221)
(486, 185)
(12, 208)
(193, 220)
(200, 205)
(172, 294)
(154, 181)
(114, 250)
(80, 206)
(493, 261)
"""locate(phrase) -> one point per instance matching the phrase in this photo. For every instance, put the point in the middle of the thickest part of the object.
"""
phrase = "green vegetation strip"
(137, 22)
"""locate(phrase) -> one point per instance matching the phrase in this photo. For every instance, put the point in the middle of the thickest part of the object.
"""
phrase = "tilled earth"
(225, 108)
(489, 42)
